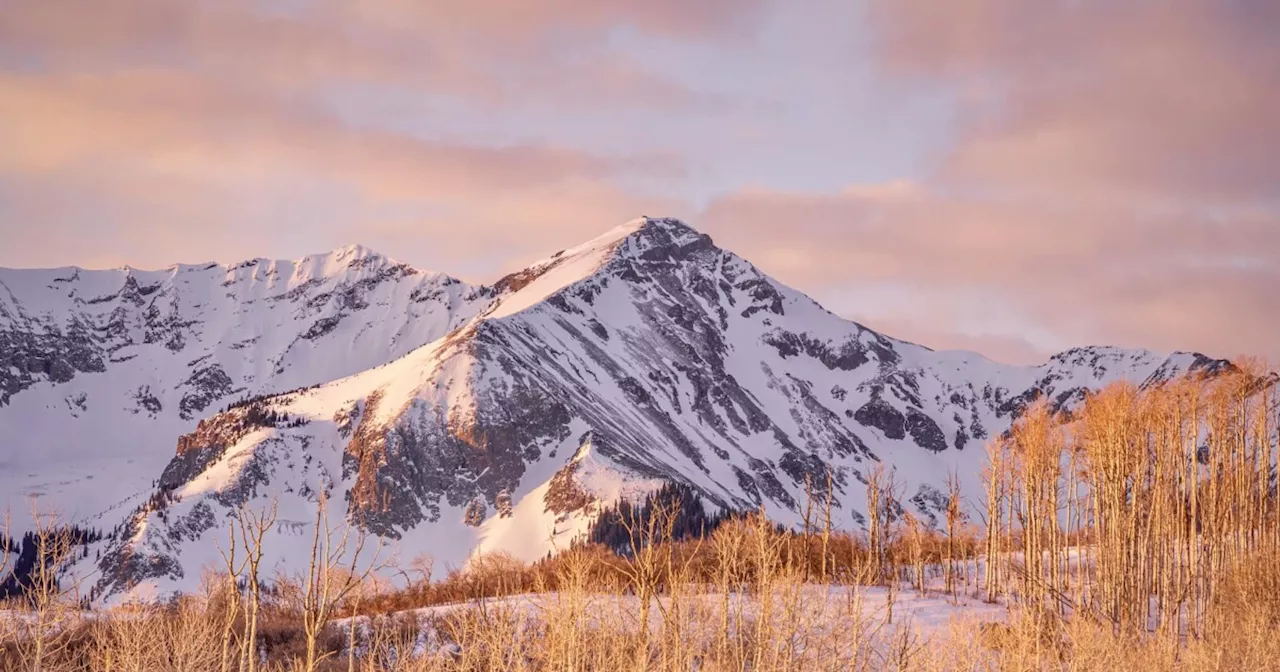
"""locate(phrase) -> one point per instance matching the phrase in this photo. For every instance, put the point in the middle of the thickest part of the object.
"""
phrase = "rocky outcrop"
(882, 415)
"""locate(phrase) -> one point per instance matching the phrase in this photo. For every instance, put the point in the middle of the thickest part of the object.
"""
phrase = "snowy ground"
(870, 615)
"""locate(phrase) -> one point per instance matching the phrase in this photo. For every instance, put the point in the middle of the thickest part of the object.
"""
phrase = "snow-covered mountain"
(101, 371)
(450, 418)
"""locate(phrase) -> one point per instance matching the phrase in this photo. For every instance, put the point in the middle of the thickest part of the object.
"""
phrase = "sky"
(1004, 176)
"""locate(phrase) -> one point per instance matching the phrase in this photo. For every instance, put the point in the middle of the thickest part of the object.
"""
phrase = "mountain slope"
(648, 354)
(101, 371)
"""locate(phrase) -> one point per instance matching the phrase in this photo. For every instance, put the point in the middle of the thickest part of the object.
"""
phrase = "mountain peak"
(666, 224)
(647, 238)
(355, 251)
(356, 255)
(333, 262)
(346, 258)
(648, 233)
(644, 231)
(644, 237)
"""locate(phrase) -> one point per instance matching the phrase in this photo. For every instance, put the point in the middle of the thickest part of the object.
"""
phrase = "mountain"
(449, 418)
(101, 371)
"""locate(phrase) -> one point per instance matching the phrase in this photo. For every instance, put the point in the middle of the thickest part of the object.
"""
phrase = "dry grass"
(757, 614)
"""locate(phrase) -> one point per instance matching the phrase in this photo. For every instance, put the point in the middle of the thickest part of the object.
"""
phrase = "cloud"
(1160, 103)
(182, 126)
(161, 114)
(167, 159)
(153, 220)
(1076, 274)
(163, 122)
(519, 18)
(928, 330)
(1113, 177)
(485, 53)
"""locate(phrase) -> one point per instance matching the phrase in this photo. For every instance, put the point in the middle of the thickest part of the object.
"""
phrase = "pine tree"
(475, 513)
(503, 503)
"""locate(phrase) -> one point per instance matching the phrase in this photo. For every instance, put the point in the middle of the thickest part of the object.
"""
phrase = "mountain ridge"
(645, 355)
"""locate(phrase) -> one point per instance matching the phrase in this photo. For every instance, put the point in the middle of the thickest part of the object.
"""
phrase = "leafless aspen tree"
(336, 567)
(1169, 489)
(49, 606)
(253, 527)
(234, 564)
(955, 517)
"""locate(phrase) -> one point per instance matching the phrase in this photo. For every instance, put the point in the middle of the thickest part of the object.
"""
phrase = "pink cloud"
(169, 122)
(928, 330)
(1155, 102)
(1114, 177)
(1087, 274)
(175, 160)
(173, 117)
(692, 18)
(153, 220)
(486, 53)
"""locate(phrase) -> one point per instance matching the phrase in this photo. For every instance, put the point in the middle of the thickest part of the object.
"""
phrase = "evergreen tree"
(503, 503)
(691, 517)
(475, 512)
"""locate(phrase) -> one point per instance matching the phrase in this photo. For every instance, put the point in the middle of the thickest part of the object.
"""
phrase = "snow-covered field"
(821, 607)
(824, 624)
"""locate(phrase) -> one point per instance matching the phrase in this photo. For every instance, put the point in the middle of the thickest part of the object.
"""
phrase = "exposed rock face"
(31, 351)
(206, 385)
(924, 431)
(881, 415)
(565, 494)
(644, 356)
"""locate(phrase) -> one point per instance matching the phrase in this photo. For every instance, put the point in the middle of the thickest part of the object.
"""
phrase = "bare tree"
(336, 568)
(229, 593)
(253, 527)
(826, 526)
(995, 477)
(1169, 492)
(915, 551)
(6, 568)
(955, 518)
(877, 525)
(808, 521)
(6, 571)
(645, 565)
(51, 605)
